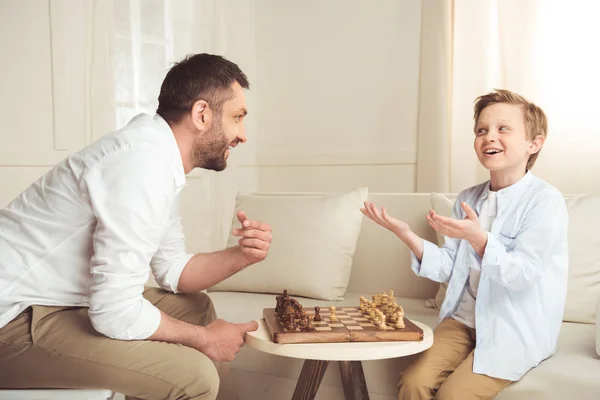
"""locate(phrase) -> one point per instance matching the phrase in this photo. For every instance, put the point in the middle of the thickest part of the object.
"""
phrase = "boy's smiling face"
(501, 141)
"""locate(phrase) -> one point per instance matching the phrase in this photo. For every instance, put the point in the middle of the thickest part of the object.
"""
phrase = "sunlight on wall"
(567, 84)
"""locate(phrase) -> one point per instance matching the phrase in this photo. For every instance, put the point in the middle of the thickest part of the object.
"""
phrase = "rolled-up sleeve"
(171, 257)
(131, 193)
(517, 262)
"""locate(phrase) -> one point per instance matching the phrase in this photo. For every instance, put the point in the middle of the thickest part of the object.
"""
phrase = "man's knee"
(204, 306)
(196, 378)
(206, 386)
(416, 383)
(449, 391)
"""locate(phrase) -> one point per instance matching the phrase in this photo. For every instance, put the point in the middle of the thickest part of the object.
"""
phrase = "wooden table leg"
(353, 380)
(310, 379)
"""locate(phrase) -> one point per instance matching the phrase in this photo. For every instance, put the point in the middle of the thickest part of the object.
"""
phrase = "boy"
(505, 261)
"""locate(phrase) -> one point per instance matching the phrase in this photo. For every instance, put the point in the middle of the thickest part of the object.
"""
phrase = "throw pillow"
(314, 238)
(442, 205)
(583, 290)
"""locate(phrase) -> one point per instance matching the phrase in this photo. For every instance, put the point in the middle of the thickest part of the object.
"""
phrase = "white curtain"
(542, 49)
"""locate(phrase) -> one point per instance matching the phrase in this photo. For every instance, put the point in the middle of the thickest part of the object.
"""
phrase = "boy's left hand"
(468, 228)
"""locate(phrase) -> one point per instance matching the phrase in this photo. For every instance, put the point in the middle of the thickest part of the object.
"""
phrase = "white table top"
(355, 351)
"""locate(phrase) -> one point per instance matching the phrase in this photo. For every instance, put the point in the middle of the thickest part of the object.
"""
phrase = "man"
(77, 246)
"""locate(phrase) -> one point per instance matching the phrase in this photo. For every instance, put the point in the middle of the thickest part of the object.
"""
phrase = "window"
(142, 48)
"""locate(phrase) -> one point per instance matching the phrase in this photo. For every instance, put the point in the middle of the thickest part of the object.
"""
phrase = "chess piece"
(309, 325)
(317, 315)
(291, 324)
(399, 320)
(371, 313)
(332, 316)
(303, 323)
(279, 304)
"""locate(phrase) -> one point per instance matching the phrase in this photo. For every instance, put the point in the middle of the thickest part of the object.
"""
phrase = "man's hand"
(255, 238)
(221, 340)
(468, 229)
(382, 218)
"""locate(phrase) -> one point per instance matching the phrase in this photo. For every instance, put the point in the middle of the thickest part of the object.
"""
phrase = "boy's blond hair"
(536, 123)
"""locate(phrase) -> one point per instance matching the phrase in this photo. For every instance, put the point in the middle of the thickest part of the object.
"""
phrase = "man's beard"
(208, 151)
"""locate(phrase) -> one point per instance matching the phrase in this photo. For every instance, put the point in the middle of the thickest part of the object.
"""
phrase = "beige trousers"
(57, 347)
(445, 371)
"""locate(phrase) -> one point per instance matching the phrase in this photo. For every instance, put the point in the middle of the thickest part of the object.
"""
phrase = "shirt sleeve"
(171, 257)
(437, 262)
(131, 193)
(518, 262)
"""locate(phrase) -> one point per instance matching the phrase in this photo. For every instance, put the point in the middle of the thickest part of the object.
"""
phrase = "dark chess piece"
(279, 306)
(289, 311)
(298, 313)
(291, 324)
(317, 315)
(303, 323)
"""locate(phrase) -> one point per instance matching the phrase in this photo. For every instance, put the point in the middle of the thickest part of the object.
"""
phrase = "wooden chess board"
(351, 326)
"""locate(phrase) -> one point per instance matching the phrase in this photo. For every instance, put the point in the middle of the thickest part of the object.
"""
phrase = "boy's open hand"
(382, 218)
(255, 238)
(468, 228)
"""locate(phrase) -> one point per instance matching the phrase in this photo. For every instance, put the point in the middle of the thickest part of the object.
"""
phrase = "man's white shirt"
(88, 231)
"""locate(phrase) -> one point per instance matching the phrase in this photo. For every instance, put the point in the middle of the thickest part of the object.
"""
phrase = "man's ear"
(536, 144)
(201, 115)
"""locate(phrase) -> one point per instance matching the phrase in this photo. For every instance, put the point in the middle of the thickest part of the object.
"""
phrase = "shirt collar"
(509, 192)
(173, 153)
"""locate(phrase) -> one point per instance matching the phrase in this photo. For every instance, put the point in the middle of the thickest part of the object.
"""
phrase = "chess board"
(351, 326)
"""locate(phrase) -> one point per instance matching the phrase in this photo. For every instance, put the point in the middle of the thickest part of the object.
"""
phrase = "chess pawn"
(380, 322)
(400, 320)
(317, 315)
(371, 313)
(309, 325)
(303, 323)
(384, 299)
(400, 310)
(332, 316)
(391, 295)
(291, 324)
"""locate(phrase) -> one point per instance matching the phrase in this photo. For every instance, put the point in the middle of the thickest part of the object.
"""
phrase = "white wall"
(338, 87)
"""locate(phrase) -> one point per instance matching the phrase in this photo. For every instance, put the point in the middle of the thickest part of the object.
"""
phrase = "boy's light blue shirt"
(523, 286)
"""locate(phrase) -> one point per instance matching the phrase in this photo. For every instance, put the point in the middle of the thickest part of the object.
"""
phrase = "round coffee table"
(349, 355)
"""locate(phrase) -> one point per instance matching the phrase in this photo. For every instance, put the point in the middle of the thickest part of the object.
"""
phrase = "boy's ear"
(536, 144)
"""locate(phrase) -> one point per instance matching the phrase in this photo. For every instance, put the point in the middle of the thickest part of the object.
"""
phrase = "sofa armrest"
(598, 327)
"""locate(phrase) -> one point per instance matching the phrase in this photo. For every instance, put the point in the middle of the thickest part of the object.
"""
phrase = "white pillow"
(314, 238)
(442, 205)
(583, 290)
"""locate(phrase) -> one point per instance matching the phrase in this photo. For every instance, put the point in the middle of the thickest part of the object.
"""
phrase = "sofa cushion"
(583, 290)
(442, 204)
(571, 373)
(598, 328)
(314, 239)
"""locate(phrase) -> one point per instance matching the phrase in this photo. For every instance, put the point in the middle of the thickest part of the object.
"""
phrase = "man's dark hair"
(198, 77)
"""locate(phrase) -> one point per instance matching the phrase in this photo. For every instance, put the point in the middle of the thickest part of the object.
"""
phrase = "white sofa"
(381, 262)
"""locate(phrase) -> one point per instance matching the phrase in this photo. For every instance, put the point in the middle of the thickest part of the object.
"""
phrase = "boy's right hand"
(384, 219)
(221, 340)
